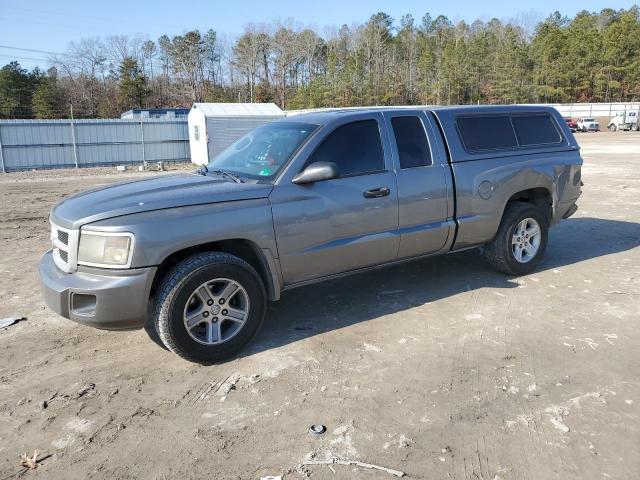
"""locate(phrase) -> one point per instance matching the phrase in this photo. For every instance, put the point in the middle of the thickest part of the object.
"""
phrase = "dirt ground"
(439, 368)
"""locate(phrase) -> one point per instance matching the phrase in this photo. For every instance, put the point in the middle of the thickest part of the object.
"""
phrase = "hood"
(167, 191)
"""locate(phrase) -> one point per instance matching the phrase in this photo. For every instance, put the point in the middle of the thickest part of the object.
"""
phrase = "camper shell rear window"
(482, 133)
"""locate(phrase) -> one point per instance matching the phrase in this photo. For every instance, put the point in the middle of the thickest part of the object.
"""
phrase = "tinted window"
(354, 147)
(535, 130)
(486, 133)
(413, 147)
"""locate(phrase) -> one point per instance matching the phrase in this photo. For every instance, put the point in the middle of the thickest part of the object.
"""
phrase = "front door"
(343, 224)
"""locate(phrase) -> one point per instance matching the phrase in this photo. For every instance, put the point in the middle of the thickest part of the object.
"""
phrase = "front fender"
(160, 233)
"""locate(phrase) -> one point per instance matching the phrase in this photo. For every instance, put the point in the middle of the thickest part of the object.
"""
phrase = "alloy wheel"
(216, 311)
(526, 239)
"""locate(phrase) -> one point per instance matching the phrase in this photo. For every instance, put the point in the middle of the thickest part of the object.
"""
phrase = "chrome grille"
(63, 237)
(65, 248)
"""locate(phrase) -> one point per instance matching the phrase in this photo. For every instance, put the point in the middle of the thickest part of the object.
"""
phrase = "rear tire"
(512, 239)
(209, 306)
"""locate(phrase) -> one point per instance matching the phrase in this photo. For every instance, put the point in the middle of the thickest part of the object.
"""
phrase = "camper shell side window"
(504, 132)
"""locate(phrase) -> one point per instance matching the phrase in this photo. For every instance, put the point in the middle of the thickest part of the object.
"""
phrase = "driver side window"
(355, 148)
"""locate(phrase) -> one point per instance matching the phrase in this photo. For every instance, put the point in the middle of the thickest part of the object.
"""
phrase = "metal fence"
(594, 109)
(29, 144)
(565, 109)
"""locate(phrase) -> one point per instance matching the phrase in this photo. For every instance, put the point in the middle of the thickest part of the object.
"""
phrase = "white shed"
(215, 126)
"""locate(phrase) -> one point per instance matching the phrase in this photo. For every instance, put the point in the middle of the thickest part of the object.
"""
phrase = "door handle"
(376, 192)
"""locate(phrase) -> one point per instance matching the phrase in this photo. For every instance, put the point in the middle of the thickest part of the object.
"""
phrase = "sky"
(49, 26)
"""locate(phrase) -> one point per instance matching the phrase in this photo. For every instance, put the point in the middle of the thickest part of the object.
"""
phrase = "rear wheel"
(209, 307)
(521, 240)
(635, 127)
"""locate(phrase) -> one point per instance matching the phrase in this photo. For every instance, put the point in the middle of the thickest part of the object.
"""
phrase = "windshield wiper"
(232, 176)
(203, 170)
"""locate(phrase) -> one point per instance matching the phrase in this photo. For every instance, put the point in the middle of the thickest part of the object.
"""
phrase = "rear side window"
(487, 133)
(355, 148)
(413, 147)
(535, 130)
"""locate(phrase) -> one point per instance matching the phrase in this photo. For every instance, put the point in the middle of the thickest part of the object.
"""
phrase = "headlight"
(107, 250)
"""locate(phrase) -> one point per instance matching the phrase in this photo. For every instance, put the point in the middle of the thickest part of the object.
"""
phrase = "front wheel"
(612, 128)
(521, 240)
(209, 306)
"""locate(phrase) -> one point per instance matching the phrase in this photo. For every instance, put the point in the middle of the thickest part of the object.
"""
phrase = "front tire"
(209, 306)
(521, 240)
(612, 128)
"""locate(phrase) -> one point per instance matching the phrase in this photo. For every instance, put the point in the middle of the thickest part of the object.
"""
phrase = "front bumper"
(111, 300)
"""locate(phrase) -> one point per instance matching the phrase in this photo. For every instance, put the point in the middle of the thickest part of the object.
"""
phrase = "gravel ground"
(440, 368)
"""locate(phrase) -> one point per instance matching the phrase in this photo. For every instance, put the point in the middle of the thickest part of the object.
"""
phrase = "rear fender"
(485, 187)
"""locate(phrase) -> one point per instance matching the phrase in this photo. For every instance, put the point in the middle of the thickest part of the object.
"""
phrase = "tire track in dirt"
(471, 459)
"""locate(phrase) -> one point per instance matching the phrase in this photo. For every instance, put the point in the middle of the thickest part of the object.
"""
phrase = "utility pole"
(1, 155)
(144, 156)
(73, 139)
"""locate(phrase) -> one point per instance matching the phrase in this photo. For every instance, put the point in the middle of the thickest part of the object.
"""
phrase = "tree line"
(591, 57)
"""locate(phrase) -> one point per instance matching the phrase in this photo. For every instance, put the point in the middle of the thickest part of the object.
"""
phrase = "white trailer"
(215, 126)
(627, 120)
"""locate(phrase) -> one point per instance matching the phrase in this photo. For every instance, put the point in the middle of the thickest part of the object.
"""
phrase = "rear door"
(425, 190)
(343, 224)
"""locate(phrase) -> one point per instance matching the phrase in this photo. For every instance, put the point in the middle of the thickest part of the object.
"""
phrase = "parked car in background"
(627, 120)
(571, 123)
(305, 199)
(588, 125)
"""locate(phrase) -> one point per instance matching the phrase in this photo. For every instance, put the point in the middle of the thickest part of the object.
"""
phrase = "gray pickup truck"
(308, 198)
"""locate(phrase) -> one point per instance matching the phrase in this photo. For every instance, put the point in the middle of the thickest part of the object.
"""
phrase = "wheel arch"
(541, 197)
(242, 248)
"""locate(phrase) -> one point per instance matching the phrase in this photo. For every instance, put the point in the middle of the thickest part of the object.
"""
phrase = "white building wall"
(215, 126)
(197, 125)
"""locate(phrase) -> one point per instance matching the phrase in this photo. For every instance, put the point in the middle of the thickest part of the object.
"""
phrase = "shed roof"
(239, 109)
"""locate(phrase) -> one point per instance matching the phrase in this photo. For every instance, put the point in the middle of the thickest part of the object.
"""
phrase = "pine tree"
(132, 85)
(16, 88)
(47, 100)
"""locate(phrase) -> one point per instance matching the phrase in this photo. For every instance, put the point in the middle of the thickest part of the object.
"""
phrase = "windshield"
(262, 152)
(589, 120)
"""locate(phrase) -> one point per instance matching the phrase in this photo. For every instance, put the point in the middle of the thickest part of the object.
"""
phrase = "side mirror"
(317, 172)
